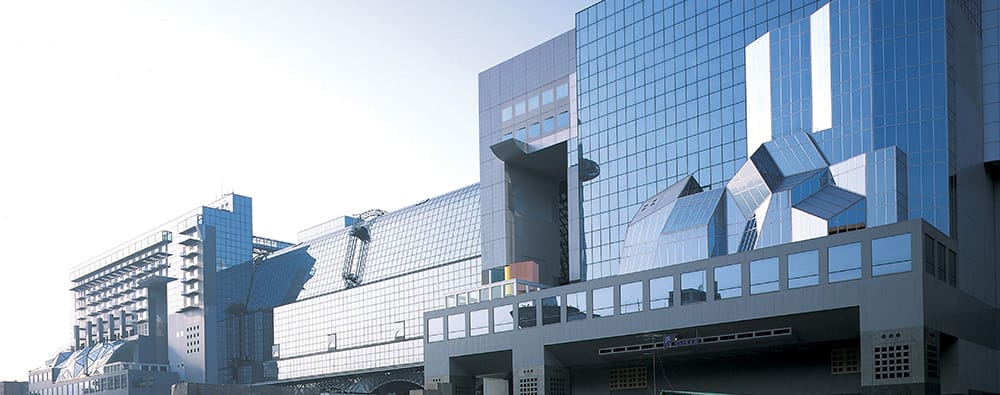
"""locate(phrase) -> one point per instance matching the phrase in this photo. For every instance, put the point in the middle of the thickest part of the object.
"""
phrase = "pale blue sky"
(117, 116)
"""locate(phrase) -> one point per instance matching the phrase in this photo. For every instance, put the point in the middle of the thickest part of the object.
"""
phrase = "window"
(507, 136)
(845, 262)
(456, 326)
(532, 103)
(397, 330)
(435, 329)
(503, 318)
(891, 255)
(519, 109)
(479, 322)
(763, 276)
(728, 283)
(952, 268)
(562, 120)
(928, 255)
(547, 97)
(604, 302)
(576, 306)
(631, 297)
(526, 314)
(548, 125)
(562, 91)
(521, 135)
(661, 292)
(693, 287)
(331, 342)
(506, 114)
(803, 269)
(550, 310)
(533, 130)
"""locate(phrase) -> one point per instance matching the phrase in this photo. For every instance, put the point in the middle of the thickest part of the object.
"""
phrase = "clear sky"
(118, 116)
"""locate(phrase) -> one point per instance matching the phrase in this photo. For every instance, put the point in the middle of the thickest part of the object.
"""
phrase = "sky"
(117, 116)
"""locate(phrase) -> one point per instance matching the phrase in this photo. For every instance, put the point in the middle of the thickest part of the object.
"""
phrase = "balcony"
(189, 252)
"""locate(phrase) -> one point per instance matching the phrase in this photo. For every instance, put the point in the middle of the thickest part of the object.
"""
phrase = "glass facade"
(413, 258)
(663, 94)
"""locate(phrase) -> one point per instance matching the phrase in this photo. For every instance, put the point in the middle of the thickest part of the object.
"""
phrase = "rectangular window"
(532, 103)
(547, 97)
(503, 318)
(397, 330)
(435, 329)
(506, 114)
(533, 130)
(562, 120)
(891, 255)
(526, 314)
(562, 91)
(661, 292)
(331, 342)
(845, 262)
(928, 255)
(576, 306)
(693, 287)
(521, 135)
(551, 312)
(763, 276)
(728, 282)
(519, 109)
(479, 322)
(548, 125)
(631, 297)
(604, 302)
(803, 269)
(456, 326)
(939, 262)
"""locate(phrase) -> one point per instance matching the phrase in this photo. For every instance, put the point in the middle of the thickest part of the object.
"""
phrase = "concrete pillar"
(111, 327)
(90, 333)
(124, 324)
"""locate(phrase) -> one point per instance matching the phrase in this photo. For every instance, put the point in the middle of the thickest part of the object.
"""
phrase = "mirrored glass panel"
(503, 318)
(631, 297)
(506, 114)
(845, 262)
(456, 326)
(576, 306)
(519, 109)
(435, 329)
(532, 103)
(547, 97)
(891, 255)
(763, 275)
(479, 322)
(661, 292)
(527, 314)
(728, 282)
(562, 91)
(693, 287)
(803, 269)
(551, 311)
(604, 302)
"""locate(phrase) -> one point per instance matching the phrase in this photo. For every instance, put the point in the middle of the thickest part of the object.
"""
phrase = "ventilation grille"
(627, 378)
(693, 341)
(932, 355)
(845, 360)
(892, 362)
(527, 384)
(558, 386)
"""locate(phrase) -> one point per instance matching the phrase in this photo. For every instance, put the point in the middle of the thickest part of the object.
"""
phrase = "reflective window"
(521, 134)
(331, 342)
(562, 91)
(456, 326)
(532, 103)
(435, 329)
(550, 310)
(547, 97)
(562, 120)
(576, 306)
(803, 269)
(845, 262)
(527, 314)
(928, 255)
(479, 322)
(449, 301)
(661, 292)
(604, 302)
(891, 255)
(952, 268)
(548, 125)
(693, 287)
(728, 282)
(506, 114)
(763, 275)
(631, 297)
(519, 108)
(533, 130)
(503, 318)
